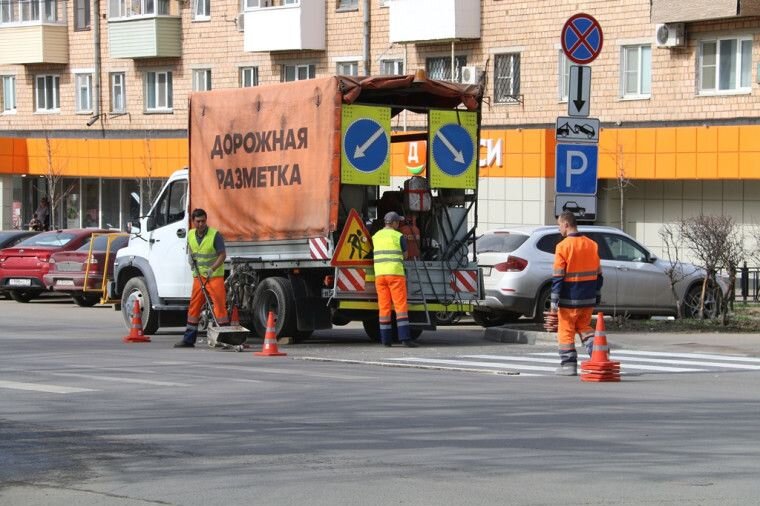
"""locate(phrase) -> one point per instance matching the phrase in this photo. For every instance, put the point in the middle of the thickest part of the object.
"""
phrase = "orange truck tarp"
(265, 161)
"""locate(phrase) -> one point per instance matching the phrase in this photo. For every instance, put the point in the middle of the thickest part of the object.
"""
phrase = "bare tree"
(709, 238)
(732, 255)
(676, 268)
(56, 193)
(622, 182)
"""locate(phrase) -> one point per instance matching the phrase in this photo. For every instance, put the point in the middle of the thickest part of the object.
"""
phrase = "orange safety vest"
(577, 275)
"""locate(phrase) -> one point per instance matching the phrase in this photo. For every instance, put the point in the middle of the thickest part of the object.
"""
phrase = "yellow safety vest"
(204, 253)
(388, 256)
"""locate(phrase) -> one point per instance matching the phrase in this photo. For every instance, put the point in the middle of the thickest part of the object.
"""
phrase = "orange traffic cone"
(136, 334)
(235, 317)
(270, 341)
(600, 367)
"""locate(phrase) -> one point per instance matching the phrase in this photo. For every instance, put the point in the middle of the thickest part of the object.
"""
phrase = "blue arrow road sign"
(576, 168)
(366, 145)
(453, 149)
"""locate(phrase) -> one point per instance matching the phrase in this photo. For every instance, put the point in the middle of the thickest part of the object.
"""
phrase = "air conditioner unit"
(670, 35)
(470, 74)
(240, 22)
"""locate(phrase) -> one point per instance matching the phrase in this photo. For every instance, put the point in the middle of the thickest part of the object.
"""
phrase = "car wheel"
(494, 318)
(23, 295)
(275, 294)
(447, 317)
(137, 290)
(85, 300)
(543, 303)
(690, 306)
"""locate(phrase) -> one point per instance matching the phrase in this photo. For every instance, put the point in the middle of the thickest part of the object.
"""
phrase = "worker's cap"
(393, 216)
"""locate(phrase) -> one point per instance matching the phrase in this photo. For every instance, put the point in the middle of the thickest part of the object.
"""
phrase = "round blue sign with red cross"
(582, 38)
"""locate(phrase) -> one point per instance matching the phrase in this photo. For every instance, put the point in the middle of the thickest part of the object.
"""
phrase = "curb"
(517, 336)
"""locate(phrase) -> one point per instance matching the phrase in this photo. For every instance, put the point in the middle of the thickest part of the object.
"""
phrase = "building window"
(347, 68)
(158, 91)
(636, 78)
(564, 76)
(9, 94)
(201, 79)
(47, 93)
(298, 72)
(201, 9)
(346, 5)
(127, 8)
(392, 67)
(725, 65)
(506, 78)
(384, 3)
(440, 68)
(260, 4)
(249, 76)
(84, 92)
(81, 14)
(118, 93)
(14, 11)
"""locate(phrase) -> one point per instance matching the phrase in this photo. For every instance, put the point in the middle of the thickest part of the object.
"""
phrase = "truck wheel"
(372, 328)
(275, 294)
(85, 300)
(136, 289)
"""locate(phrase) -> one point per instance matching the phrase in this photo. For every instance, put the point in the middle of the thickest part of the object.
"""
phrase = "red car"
(23, 266)
(68, 268)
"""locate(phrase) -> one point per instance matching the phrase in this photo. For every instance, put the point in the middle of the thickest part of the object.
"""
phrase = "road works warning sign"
(355, 244)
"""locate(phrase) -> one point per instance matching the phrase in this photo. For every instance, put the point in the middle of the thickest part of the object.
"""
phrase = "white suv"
(517, 270)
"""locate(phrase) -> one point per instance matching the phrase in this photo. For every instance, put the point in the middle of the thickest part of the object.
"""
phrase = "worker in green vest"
(206, 246)
(389, 247)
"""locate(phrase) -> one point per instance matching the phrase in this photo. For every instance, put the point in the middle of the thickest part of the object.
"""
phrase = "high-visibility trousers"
(572, 321)
(391, 293)
(218, 296)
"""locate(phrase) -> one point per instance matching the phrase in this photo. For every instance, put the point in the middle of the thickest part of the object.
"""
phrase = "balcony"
(674, 11)
(33, 32)
(434, 20)
(144, 29)
(284, 25)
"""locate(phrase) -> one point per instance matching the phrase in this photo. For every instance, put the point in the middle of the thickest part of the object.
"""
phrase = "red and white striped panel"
(319, 248)
(464, 281)
(351, 280)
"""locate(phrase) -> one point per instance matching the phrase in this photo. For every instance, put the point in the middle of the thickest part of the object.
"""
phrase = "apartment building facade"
(94, 95)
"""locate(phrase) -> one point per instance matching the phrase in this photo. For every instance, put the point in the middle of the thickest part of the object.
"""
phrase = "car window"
(48, 240)
(171, 206)
(548, 243)
(623, 249)
(500, 242)
(101, 241)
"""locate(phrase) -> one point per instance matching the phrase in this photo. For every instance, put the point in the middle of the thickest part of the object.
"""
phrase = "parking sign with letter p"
(576, 168)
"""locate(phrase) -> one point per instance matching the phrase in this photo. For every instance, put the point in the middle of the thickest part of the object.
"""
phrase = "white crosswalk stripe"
(631, 362)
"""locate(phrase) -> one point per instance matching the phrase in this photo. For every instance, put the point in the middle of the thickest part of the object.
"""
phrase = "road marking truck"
(296, 177)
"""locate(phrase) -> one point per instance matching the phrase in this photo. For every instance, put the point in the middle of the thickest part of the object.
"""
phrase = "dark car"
(23, 266)
(68, 269)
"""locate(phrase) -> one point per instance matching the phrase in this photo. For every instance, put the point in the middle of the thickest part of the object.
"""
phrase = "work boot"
(567, 370)
(183, 344)
(410, 344)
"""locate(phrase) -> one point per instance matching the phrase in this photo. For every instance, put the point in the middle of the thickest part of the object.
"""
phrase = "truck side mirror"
(134, 227)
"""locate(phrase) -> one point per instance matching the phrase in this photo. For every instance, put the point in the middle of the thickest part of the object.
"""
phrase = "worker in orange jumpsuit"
(576, 289)
(389, 252)
(206, 246)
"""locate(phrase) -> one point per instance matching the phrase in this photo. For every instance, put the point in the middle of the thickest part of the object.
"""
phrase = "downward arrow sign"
(458, 155)
(579, 102)
(359, 152)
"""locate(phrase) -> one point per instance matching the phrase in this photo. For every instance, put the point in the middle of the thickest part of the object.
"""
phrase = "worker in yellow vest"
(389, 247)
(206, 246)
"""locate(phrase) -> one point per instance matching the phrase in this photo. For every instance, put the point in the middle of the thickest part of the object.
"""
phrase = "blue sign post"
(577, 168)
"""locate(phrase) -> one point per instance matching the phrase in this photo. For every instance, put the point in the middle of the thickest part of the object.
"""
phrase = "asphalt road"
(86, 419)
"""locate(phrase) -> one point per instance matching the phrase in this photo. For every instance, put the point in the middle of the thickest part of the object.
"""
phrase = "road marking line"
(647, 357)
(471, 363)
(37, 387)
(289, 372)
(121, 380)
(707, 356)
(624, 366)
(501, 372)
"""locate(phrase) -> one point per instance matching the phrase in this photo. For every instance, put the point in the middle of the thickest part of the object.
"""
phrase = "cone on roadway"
(234, 317)
(600, 368)
(270, 340)
(136, 334)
